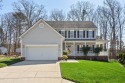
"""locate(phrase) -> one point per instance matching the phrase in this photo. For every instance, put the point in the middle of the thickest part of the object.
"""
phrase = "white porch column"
(94, 48)
(103, 46)
(65, 45)
(74, 53)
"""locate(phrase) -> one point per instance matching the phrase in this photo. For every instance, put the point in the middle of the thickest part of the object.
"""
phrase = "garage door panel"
(42, 53)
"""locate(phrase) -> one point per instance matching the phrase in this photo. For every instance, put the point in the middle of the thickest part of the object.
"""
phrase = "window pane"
(90, 34)
(63, 33)
(71, 34)
(80, 34)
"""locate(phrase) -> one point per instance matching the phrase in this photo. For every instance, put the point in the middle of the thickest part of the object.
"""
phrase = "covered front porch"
(74, 47)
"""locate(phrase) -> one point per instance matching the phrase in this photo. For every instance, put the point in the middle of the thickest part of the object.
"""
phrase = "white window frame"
(71, 33)
(91, 34)
(63, 33)
(80, 33)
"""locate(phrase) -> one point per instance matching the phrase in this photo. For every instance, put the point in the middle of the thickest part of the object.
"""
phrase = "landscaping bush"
(65, 52)
(98, 50)
(85, 50)
(122, 58)
(65, 57)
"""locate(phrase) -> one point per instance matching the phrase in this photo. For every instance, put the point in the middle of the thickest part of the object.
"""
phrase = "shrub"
(85, 50)
(65, 57)
(65, 52)
(122, 57)
(98, 50)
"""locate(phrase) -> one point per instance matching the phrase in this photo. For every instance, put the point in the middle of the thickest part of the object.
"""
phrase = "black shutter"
(69, 34)
(74, 34)
(87, 34)
(65, 34)
(78, 34)
(83, 34)
(60, 32)
(93, 34)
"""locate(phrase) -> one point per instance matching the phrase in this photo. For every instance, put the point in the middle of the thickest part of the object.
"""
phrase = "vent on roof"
(41, 25)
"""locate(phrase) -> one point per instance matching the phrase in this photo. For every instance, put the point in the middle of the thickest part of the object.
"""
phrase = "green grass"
(93, 72)
(8, 61)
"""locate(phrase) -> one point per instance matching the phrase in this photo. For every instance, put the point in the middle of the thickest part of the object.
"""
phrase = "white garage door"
(42, 53)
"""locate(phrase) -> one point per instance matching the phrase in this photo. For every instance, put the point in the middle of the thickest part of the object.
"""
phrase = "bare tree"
(121, 23)
(57, 15)
(110, 23)
(25, 14)
(81, 11)
(32, 11)
(19, 20)
(8, 28)
(0, 3)
(11, 24)
(112, 8)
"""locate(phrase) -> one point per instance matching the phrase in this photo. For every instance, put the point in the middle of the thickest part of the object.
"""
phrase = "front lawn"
(5, 61)
(93, 72)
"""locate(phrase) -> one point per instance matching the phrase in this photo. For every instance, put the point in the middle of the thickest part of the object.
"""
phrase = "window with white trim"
(63, 33)
(90, 34)
(80, 33)
(71, 33)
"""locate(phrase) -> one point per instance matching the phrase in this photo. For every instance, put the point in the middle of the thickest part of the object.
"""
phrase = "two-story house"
(46, 40)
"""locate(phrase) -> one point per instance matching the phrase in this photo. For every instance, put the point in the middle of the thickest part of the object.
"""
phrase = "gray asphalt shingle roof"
(71, 24)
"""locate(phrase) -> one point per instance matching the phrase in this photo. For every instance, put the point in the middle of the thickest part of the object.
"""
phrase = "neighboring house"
(46, 40)
(3, 50)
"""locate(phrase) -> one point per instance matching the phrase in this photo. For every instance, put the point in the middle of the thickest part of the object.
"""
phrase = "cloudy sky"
(51, 4)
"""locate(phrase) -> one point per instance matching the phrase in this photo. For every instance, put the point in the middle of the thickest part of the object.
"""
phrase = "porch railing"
(80, 53)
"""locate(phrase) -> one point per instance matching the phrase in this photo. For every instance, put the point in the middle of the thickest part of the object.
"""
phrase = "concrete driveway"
(32, 72)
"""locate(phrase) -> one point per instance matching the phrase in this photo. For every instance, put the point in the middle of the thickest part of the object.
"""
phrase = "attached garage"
(41, 42)
(42, 52)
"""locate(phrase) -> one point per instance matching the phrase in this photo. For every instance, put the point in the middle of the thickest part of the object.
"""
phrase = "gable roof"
(71, 24)
(38, 23)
